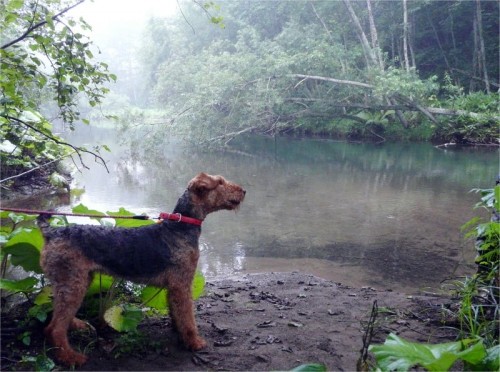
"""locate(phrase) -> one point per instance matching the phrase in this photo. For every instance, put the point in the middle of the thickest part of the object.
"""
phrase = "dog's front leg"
(182, 312)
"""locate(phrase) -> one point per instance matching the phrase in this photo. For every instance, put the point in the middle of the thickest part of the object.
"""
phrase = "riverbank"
(269, 321)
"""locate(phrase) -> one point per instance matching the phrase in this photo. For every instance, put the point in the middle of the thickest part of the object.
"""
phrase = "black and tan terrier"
(164, 255)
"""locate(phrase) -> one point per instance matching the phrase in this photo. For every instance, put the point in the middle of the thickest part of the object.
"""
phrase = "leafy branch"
(77, 149)
(34, 27)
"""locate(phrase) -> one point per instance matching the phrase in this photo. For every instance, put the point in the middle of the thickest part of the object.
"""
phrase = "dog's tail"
(43, 222)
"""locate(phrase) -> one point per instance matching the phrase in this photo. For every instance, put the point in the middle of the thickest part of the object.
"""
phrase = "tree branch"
(232, 134)
(423, 110)
(78, 150)
(38, 25)
(320, 19)
(346, 82)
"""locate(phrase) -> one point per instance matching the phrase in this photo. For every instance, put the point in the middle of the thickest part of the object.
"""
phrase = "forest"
(400, 70)
(374, 70)
(355, 70)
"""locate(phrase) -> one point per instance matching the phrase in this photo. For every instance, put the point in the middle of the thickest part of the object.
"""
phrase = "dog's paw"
(197, 344)
(71, 358)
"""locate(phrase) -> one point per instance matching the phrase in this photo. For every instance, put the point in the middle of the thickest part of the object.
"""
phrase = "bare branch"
(183, 16)
(78, 150)
(320, 19)
(338, 81)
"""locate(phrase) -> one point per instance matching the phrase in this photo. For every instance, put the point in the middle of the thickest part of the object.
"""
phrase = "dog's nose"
(244, 191)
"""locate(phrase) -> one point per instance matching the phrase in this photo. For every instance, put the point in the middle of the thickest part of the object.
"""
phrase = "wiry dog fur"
(164, 255)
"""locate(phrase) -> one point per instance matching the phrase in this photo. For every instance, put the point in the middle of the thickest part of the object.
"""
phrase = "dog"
(164, 255)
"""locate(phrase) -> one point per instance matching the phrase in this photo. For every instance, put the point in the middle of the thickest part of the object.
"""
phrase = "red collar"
(177, 217)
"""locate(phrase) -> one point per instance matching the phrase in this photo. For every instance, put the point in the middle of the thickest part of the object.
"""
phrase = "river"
(386, 216)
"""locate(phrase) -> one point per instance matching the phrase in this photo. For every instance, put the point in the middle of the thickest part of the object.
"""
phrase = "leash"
(177, 217)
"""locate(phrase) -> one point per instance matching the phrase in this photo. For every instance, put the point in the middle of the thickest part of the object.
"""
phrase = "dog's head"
(213, 193)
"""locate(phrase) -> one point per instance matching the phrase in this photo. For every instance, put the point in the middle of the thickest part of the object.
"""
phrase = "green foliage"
(158, 298)
(215, 84)
(24, 285)
(396, 81)
(479, 311)
(397, 354)
(45, 58)
(40, 362)
(466, 128)
(100, 283)
(135, 342)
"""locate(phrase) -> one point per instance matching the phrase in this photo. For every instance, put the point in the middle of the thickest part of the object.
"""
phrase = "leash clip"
(180, 217)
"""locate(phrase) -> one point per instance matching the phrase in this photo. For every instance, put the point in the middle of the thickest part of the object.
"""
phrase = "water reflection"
(386, 216)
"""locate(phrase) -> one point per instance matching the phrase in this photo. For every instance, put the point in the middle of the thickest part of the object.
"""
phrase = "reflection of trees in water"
(405, 262)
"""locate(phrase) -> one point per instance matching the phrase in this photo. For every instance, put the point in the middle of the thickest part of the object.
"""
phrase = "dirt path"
(276, 322)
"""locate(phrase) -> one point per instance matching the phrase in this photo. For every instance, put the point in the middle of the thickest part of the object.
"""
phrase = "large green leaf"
(198, 285)
(25, 248)
(123, 318)
(158, 298)
(397, 354)
(155, 297)
(100, 283)
(82, 209)
(490, 363)
(128, 222)
(23, 285)
(44, 297)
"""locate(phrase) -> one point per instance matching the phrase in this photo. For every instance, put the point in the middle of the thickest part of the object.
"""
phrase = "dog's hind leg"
(70, 280)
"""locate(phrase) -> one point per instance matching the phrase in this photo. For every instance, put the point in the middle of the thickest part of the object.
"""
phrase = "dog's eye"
(221, 181)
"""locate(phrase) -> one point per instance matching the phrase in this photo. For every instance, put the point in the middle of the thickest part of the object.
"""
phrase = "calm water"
(386, 216)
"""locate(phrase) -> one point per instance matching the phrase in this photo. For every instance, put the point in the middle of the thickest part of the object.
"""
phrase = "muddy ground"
(273, 321)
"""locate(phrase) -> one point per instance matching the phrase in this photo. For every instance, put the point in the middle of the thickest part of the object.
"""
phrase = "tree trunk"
(410, 43)
(436, 35)
(476, 70)
(369, 55)
(320, 20)
(482, 52)
(393, 48)
(405, 36)
(453, 40)
(374, 36)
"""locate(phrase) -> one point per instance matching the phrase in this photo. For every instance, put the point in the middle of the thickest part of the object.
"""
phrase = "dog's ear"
(202, 183)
